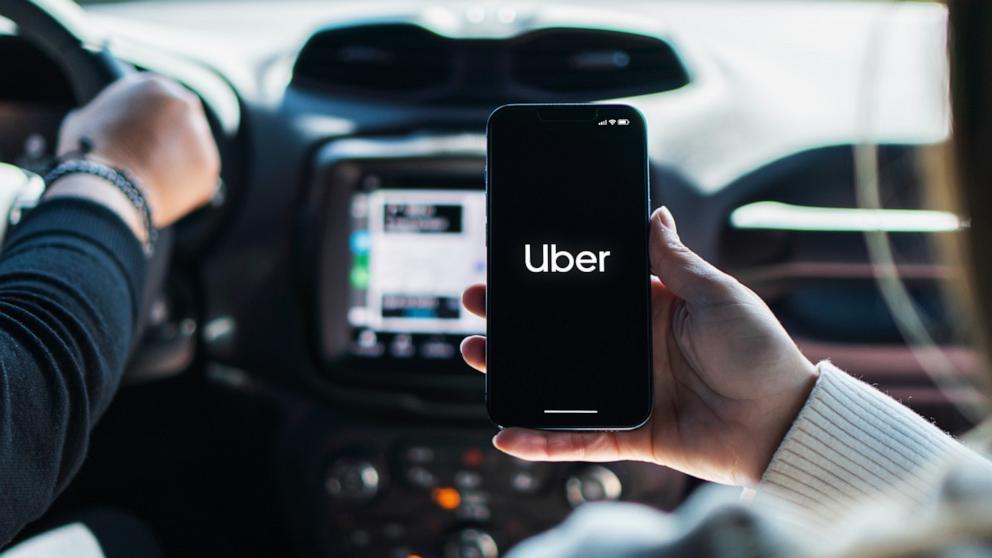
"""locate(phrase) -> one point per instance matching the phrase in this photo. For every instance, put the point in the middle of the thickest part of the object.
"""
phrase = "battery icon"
(622, 122)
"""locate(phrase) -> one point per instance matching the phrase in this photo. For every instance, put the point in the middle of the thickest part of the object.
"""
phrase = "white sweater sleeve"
(856, 467)
(851, 443)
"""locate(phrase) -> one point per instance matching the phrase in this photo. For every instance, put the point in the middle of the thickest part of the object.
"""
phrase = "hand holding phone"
(728, 380)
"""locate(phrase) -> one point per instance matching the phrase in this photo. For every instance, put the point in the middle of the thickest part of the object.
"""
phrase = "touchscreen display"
(568, 289)
(413, 252)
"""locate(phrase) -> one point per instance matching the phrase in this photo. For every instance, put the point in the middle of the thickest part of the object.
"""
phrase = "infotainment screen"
(413, 252)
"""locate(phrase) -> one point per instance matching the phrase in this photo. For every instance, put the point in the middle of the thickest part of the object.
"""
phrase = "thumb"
(684, 273)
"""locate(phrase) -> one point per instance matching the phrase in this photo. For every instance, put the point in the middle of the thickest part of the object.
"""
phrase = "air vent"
(798, 240)
(403, 62)
(386, 58)
(584, 64)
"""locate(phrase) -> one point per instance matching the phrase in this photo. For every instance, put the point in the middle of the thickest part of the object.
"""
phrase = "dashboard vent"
(796, 236)
(386, 58)
(585, 64)
(403, 62)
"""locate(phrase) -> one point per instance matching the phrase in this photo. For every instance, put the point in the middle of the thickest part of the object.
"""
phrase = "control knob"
(354, 480)
(471, 543)
(594, 483)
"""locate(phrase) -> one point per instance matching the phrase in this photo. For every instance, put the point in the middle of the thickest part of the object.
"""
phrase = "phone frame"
(562, 110)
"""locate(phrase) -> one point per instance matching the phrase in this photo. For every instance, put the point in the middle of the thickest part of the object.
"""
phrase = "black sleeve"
(71, 280)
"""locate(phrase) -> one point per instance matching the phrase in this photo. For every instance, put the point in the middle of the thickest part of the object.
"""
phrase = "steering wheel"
(58, 28)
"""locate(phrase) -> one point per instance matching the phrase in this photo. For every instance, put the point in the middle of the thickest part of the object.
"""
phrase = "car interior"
(298, 389)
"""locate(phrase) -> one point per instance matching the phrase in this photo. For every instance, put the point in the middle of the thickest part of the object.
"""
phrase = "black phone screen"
(568, 297)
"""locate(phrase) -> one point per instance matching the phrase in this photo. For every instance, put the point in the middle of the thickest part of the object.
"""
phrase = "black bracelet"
(121, 179)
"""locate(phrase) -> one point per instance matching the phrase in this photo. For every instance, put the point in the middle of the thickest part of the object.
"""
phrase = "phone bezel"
(584, 113)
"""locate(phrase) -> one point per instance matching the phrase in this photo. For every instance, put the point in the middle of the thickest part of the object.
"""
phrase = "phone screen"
(568, 297)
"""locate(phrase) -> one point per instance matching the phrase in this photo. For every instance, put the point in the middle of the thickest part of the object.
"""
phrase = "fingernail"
(502, 434)
(503, 438)
(667, 219)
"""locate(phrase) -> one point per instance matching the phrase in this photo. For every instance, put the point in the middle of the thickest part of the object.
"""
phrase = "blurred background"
(299, 392)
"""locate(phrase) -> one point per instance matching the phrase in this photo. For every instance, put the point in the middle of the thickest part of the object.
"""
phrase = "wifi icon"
(612, 121)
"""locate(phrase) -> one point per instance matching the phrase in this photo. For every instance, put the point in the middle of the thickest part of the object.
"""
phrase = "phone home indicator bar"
(570, 411)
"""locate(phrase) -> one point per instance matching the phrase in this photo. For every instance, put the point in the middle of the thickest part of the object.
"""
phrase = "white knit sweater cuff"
(851, 442)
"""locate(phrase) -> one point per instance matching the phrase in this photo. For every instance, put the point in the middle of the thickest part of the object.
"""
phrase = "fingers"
(474, 347)
(474, 299)
(68, 133)
(683, 272)
(535, 445)
(474, 352)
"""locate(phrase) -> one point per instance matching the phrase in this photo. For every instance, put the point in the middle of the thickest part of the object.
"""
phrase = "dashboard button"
(524, 482)
(354, 480)
(594, 483)
(474, 507)
(421, 477)
(421, 455)
(468, 480)
(471, 543)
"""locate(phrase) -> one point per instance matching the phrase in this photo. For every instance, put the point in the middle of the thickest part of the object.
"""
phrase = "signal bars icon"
(602, 123)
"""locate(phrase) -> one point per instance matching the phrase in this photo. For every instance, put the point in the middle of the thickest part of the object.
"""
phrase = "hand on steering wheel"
(157, 130)
(59, 29)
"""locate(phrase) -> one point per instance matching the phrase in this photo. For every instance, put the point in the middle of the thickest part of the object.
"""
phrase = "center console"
(395, 230)
(402, 233)
(438, 491)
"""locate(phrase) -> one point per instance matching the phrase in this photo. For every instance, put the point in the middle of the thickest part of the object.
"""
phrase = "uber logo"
(563, 262)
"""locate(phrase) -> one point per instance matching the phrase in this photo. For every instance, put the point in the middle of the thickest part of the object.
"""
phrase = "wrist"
(120, 180)
(141, 176)
(784, 408)
(101, 191)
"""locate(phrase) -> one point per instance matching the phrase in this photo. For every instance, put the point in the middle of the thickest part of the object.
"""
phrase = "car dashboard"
(315, 308)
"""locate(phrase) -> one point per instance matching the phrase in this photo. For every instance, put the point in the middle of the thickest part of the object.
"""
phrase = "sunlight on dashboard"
(769, 215)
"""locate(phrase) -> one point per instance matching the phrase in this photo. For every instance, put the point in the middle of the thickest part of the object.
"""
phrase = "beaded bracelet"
(121, 179)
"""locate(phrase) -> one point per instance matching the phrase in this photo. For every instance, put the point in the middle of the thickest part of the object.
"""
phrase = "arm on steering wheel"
(70, 287)
(73, 277)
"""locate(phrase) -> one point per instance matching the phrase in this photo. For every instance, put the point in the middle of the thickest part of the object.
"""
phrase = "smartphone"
(568, 308)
